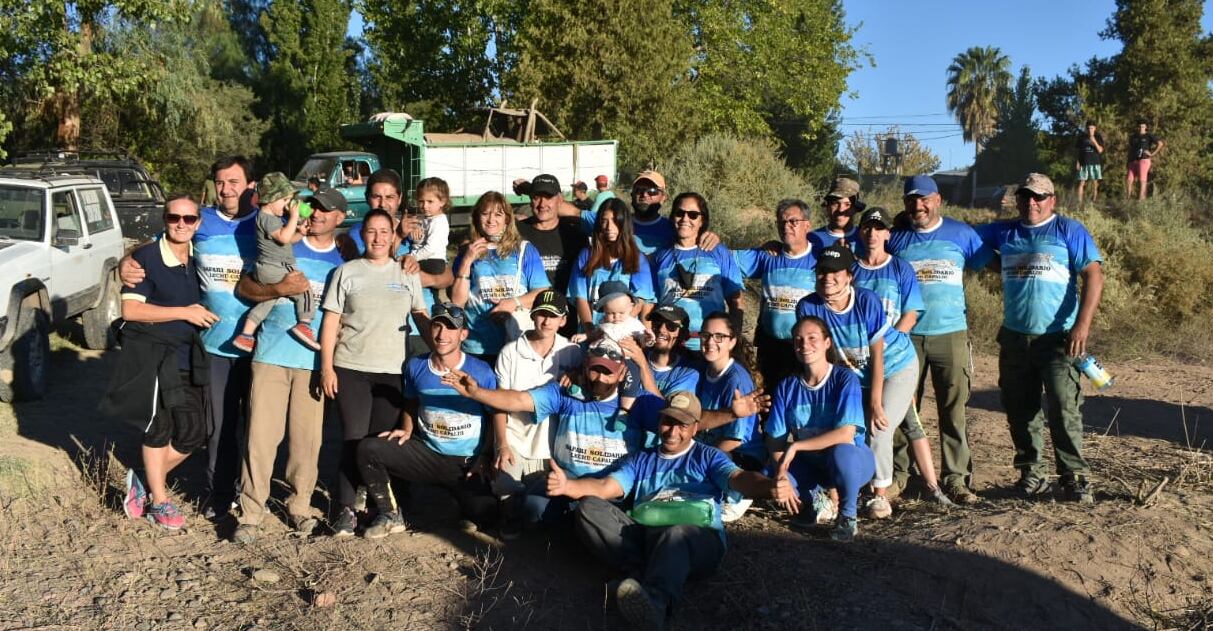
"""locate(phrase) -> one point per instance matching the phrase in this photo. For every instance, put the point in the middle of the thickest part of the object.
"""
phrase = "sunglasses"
(791, 223)
(693, 215)
(448, 309)
(672, 327)
(719, 338)
(1039, 197)
(172, 218)
(609, 353)
(650, 191)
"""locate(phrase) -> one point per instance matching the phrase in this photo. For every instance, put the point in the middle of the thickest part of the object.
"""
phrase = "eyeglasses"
(1038, 197)
(719, 338)
(672, 327)
(693, 215)
(609, 353)
(791, 223)
(172, 218)
(651, 191)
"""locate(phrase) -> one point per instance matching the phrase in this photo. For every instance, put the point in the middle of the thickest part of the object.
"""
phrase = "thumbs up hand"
(557, 480)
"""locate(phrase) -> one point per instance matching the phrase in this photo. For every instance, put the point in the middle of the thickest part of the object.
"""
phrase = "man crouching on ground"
(674, 532)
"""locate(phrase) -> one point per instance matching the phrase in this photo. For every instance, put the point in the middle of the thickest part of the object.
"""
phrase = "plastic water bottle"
(305, 209)
(673, 513)
(1100, 378)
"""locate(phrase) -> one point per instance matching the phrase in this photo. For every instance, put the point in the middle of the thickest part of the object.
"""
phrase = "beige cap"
(683, 406)
(843, 187)
(1038, 183)
(651, 176)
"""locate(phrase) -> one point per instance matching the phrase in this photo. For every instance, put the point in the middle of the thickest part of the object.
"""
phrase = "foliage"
(862, 153)
(1011, 152)
(978, 80)
(742, 178)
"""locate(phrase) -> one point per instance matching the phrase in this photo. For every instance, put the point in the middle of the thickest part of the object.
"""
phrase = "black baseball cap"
(545, 184)
(670, 313)
(835, 258)
(550, 301)
(878, 215)
(450, 313)
(329, 199)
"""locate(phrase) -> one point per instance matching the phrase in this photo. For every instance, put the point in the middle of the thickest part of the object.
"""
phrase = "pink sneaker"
(303, 333)
(165, 515)
(244, 342)
(136, 496)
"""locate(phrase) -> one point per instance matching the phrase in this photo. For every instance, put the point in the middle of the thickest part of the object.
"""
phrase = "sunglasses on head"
(1039, 197)
(693, 215)
(649, 190)
(609, 353)
(447, 308)
(172, 218)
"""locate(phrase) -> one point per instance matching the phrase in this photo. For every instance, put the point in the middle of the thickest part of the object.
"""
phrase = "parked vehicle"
(137, 197)
(514, 143)
(60, 243)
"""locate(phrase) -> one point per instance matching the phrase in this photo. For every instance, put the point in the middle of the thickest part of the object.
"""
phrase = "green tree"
(978, 80)
(861, 153)
(307, 90)
(1012, 152)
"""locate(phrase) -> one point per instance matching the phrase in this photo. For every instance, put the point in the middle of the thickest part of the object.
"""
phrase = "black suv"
(138, 199)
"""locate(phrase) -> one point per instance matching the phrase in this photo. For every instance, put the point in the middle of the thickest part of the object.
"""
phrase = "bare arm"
(287, 234)
(567, 209)
(503, 400)
(907, 321)
(1092, 291)
(139, 311)
(291, 284)
(330, 328)
(736, 311)
(876, 391)
(782, 453)
(437, 281)
(560, 484)
(584, 315)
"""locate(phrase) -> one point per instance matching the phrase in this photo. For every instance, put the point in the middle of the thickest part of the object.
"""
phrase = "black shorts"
(183, 426)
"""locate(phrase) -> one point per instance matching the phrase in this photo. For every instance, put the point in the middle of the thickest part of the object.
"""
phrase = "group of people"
(585, 369)
(1090, 147)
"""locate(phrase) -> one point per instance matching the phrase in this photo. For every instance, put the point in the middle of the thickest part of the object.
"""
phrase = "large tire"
(25, 363)
(98, 321)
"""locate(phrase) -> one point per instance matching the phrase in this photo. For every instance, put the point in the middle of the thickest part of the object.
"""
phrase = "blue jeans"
(846, 467)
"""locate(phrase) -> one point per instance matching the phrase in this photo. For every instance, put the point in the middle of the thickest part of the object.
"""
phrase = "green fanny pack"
(675, 511)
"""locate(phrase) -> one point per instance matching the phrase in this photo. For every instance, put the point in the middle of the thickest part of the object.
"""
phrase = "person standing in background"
(1090, 149)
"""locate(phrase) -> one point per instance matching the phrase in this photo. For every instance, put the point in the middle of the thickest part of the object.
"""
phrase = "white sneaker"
(732, 511)
(824, 507)
(877, 508)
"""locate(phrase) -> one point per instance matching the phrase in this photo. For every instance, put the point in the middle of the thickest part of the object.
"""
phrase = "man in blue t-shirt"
(1046, 323)
(282, 394)
(841, 205)
(663, 549)
(939, 249)
(441, 433)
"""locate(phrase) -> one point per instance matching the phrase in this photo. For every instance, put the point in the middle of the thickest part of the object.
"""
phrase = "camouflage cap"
(1038, 183)
(273, 187)
(843, 187)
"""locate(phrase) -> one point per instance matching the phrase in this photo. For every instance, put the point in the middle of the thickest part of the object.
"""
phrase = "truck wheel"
(98, 321)
(26, 361)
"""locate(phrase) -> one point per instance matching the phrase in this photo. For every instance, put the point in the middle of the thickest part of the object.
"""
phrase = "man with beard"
(841, 205)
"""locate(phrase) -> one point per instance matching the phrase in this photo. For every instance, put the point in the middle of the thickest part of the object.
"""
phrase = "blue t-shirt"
(701, 472)
(822, 238)
(650, 236)
(799, 411)
(586, 288)
(588, 436)
(857, 327)
(274, 345)
(450, 424)
(715, 279)
(683, 375)
(494, 279)
(717, 394)
(940, 255)
(785, 280)
(895, 283)
(1040, 269)
(590, 217)
(224, 249)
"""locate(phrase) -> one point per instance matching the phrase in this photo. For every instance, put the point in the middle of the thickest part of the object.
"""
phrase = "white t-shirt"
(519, 367)
(437, 234)
(632, 327)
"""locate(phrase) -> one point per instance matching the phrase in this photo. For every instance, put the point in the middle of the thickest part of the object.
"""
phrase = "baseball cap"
(605, 353)
(878, 215)
(835, 258)
(329, 199)
(545, 184)
(273, 187)
(550, 301)
(652, 176)
(669, 313)
(1038, 183)
(609, 291)
(843, 187)
(920, 185)
(601, 179)
(682, 406)
(449, 313)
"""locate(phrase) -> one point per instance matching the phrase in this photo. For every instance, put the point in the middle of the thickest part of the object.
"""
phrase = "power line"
(898, 116)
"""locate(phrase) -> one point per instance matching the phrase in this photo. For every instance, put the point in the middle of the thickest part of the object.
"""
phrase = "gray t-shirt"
(374, 302)
(269, 251)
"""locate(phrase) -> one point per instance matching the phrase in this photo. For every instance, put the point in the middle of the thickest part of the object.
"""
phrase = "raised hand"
(750, 404)
(462, 382)
(557, 480)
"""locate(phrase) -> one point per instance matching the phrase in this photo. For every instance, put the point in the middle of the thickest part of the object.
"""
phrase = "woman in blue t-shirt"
(612, 255)
(816, 430)
(496, 275)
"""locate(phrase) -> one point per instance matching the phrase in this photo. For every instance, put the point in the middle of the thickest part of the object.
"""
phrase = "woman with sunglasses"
(496, 275)
(699, 281)
(815, 431)
(612, 255)
(363, 347)
(879, 354)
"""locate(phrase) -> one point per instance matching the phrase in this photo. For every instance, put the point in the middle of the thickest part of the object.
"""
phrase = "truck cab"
(344, 171)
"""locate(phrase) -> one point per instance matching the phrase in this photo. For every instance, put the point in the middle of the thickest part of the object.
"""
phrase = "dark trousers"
(380, 460)
(666, 556)
(1028, 364)
(370, 403)
(229, 388)
(946, 358)
(776, 359)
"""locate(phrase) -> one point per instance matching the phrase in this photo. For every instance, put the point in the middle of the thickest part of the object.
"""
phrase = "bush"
(742, 179)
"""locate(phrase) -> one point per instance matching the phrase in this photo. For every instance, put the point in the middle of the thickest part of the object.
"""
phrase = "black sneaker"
(385, 524)
(1031, 486)
(638, 607)
(345, 524)
(1077, 489)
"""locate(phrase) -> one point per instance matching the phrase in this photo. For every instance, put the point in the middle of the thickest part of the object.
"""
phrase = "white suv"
(60, 244)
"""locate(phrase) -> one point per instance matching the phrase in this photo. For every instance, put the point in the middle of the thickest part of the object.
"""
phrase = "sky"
(913, 43)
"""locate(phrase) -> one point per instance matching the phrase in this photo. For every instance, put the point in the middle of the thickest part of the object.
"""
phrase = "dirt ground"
(1137, 559)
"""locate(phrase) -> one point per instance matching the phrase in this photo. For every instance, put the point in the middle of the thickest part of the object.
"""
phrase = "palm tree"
(978, 80)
